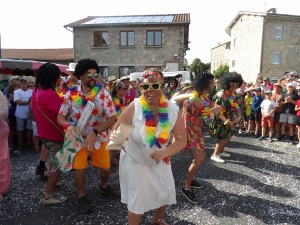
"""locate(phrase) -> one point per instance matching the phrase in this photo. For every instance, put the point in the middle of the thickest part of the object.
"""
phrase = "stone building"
(264, 42)
(220, 56)
(125, 44)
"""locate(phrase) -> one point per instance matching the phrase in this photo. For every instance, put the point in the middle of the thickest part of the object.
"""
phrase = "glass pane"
(97, 39)
(158, 38)
(104, 38)
(150, 38)
(130, 38)
(276, 58)
(278, 32)
(123, 39)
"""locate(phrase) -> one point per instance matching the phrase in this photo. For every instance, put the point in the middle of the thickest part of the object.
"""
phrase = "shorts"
(247, 118)
(267, 121)
(21, 124)
(12, 121)
(277, 117)
(287, 118)
(255, 115)
(99, 158)
(34, 129)
(297, 120)
(53, 148)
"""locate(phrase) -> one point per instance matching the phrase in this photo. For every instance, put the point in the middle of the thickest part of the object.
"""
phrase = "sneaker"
(217, 158)
(270, 139)
(189, 195)
(196, 184)
(240, 132)
(110, 192)
(54, 199)
(224, 155)
(17, 152)
(255, 136)
(60, 183)
(41, 172)
(84, 205)
(247, 133)
(261, 138)
(280, 138)
(298, 145)
(291, 142)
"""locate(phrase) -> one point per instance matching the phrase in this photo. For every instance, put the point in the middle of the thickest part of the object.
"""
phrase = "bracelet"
(226, 122)
(66, 126)
(193, 96)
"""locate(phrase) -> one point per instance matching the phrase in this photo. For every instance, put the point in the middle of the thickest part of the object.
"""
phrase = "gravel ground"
(259, 184)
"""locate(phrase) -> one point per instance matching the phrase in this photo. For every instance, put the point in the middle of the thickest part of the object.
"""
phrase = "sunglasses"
(23, 82)
(154, 86)
(234, 85)
(172, 82)
(90, 75)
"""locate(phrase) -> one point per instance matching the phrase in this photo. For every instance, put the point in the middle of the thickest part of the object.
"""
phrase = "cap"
(289, 84)
(71, 67)
(277, 84)
(266, 78)
(124, 78)
(132, 79)
(257, 89)
(268, 92)
(111, 78)
(14, 77)
(293, 73)
(23, 78)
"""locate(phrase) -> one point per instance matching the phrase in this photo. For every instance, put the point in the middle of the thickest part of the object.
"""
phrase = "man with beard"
(94, 132)
(130, 95)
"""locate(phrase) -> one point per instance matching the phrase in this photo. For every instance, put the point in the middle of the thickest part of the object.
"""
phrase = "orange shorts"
(99, 158)
(267, 121)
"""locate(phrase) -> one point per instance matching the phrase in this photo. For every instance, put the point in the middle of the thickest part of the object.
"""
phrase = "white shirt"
(268, 106)
(22, 110)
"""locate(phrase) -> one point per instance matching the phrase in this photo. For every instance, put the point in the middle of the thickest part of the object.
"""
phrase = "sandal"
(37, 151)
(160, 222)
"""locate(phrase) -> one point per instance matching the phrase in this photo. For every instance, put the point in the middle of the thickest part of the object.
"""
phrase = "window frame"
(233, 63)
(279, 58)
(100, 44)
(235, 42)
(276, 28)
(154, 39)
(127, 44)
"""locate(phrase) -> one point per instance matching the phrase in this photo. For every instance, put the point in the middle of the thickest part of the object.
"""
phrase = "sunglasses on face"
(172, 82)
(90, 75)
(154, 86)
(234, 84)
(23, 82)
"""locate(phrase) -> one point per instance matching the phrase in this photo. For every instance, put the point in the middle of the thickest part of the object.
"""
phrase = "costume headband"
(148, 73)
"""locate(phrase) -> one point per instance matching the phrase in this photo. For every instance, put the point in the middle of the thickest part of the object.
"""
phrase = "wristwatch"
(95, 131)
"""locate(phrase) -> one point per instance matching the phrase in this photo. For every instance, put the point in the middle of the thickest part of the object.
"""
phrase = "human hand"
(198, 102)
(216, 109)
(90, 140)
(158, 155)
(71, 132)
(113, 135)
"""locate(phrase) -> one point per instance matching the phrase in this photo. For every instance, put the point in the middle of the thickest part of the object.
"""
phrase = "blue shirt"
(257, 100)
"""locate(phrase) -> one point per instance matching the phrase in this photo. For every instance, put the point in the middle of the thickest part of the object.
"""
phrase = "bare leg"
(52, 180)
(282, 128)
(20, 137)
(298, 133)
(292, 129)
(104, 176)
(29, 136)
(134, 219)
(250, 126)
(79, 177)
(263, 131)
(44, 153)
(220, 146)
(199, 157)
(36, 140)
(257, 126)
(159, 213)
(271, 131)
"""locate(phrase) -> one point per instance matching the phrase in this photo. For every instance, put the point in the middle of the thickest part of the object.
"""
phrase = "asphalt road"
(259, 184)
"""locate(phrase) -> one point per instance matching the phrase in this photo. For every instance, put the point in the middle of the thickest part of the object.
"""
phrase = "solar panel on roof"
(157, 19)
(136, 19)
(146, 19)
(167, 19)
(126, 19)
(115, 19)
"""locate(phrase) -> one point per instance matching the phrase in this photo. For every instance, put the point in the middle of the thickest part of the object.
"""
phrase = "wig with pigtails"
(231, 77)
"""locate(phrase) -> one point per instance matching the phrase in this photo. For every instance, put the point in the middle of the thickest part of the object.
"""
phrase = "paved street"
(259, 184)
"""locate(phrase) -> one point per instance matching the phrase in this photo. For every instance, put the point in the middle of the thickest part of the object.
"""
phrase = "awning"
(26, 64)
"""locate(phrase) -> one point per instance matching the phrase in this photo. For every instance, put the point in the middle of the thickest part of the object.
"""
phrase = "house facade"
(264, 42)
(220, 56)
(125, 44)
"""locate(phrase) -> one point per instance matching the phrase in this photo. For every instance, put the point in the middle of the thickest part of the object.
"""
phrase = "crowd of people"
(86, 111)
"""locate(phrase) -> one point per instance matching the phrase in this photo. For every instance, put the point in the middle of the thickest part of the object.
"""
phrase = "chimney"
(272, 10)
(219, 43)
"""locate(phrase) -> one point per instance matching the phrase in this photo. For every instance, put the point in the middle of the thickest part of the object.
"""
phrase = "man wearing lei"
(130, 95)
(95, 131)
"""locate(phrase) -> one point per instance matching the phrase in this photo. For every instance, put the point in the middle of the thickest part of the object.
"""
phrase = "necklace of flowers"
(119, 106)
(207, 104)
(80, 99)
(151, 122)
(60, 94)
(232, 99)
(170, 93)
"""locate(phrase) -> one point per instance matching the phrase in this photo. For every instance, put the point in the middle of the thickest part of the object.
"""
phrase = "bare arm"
(182, 97)
(19, 102)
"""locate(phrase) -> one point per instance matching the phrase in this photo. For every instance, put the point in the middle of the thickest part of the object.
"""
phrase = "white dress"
(145, 185)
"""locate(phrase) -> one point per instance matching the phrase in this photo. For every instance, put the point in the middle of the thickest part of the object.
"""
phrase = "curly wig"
(84, 65)
(173, 80)
(231, 77)
(47, 75)
(202, 80)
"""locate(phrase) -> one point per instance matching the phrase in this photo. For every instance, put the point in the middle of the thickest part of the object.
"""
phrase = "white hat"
(289, 84)
(293, 73)
(14, 77)
(132, 79)
(72, 67)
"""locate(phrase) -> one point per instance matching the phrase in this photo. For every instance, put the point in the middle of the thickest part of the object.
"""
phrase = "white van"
(185, 75)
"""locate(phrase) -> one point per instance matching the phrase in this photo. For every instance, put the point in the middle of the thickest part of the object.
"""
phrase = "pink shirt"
(298, 105)
(49, 103)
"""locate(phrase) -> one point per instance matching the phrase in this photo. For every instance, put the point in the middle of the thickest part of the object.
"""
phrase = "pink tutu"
(5, 167)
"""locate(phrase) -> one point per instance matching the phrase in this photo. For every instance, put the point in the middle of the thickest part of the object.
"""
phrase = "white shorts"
(34, 129)
(287, 118)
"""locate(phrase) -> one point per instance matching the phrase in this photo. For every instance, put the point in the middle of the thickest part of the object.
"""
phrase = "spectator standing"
(13, 80)
(255, 116)
(276, 96)
(247, 105)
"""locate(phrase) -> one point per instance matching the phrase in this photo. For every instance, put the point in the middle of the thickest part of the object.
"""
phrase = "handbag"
(121, 135)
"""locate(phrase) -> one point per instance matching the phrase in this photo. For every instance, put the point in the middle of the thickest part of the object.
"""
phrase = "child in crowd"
(267, 112)
(247, 103)
(297, 108)
(240, 101)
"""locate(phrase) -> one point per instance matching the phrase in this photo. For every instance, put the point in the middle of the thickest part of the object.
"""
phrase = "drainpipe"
(73, 43)
(262, 45)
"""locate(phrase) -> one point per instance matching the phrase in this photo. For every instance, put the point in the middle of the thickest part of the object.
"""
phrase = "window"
(217, 63)
(125, 70)
(127, 38)
(234, 42)
(233, 63)
(100, 38)
(154, 38)
(276, 57)
(278, 32)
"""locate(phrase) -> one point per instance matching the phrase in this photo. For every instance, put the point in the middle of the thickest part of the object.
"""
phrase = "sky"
(39, 23)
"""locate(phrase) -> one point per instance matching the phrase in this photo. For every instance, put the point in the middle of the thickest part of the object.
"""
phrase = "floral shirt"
(104, 107)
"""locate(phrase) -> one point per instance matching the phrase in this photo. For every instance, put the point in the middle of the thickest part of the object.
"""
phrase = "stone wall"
(288, 46)
(245, 49)
(219, 56)
(139, 55)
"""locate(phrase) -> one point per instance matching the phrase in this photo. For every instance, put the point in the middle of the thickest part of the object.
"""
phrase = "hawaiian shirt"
(104, 107)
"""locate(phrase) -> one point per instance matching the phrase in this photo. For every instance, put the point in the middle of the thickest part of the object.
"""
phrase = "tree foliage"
(198, 66)
(222, 70)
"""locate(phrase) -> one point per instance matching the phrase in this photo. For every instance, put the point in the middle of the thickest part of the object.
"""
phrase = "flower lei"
(119, 106)
(108, 87)
(80, 99)
(207, 104)
(232, 99)
(60, 94)
(170, 93)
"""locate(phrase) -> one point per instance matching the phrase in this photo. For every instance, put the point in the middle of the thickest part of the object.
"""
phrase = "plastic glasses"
(90, 75)
(234, 85)
(154, 86)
